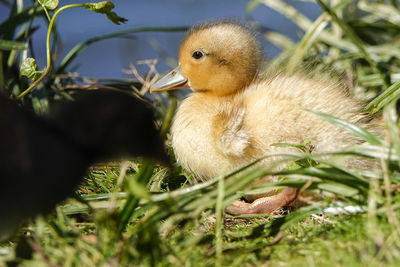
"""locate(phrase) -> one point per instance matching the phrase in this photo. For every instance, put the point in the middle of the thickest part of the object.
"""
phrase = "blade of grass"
(374, 80)
(339, 189)
(219, 222)
(386, 12)
(332, 174)
(355, 40)
(356, 130)
(304, 23)
(279, 40)
(83, 45)
(13, 45)
(311, 35)
(393, 92)
(292, 218)
(372, 152)
(7, 28)
(250, 7)
(142, 177)
(306, 42)
(392, 123)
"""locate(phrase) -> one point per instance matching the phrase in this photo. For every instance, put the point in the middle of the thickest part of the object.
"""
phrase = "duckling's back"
(285, 99)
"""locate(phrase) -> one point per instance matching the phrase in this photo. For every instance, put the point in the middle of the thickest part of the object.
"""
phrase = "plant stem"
(219, 222)
(48, 55)
(47, 13)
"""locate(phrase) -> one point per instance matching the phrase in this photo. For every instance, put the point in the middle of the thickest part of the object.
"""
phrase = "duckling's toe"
(264, 204)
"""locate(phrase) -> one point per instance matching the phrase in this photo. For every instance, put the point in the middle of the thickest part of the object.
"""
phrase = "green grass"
(328, 240)
(139, 214)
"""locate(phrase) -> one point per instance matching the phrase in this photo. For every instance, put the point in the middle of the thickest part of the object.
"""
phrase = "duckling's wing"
(232, 139)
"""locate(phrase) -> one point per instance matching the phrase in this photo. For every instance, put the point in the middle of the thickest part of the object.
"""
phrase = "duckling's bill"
(173, 80)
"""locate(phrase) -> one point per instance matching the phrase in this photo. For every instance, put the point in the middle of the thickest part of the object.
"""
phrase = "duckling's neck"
(215, 94)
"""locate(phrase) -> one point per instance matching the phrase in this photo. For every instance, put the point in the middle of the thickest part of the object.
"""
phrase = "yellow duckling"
(233, 117)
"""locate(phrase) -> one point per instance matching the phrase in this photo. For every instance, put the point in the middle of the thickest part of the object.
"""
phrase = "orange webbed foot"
(265, 204)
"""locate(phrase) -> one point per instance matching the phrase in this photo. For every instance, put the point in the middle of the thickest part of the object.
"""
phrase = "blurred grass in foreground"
(119, 221)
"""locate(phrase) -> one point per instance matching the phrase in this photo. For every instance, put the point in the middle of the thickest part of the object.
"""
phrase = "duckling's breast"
(193, 140)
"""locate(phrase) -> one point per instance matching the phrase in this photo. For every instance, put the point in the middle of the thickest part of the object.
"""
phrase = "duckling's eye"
(197, 54)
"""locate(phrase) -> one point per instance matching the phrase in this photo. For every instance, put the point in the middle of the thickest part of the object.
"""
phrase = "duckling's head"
(220, 58)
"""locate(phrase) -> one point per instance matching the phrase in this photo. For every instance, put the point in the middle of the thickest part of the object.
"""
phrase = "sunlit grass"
(142, 214)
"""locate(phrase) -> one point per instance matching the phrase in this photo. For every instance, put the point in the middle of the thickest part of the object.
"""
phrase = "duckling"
(42, 160)
(233, 116)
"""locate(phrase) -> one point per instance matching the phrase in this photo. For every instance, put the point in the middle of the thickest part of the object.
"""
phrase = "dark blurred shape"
(42, 160)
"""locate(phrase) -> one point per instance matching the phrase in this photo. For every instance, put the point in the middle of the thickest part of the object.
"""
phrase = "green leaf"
(49, 4)
(101, 7)
(105, 8)
(28, 68)
(115, 18)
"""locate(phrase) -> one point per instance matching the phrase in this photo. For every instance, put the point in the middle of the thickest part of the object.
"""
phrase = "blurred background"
(108, 58)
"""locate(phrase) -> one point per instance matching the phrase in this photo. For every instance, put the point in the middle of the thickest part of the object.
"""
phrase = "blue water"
(108, 58)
